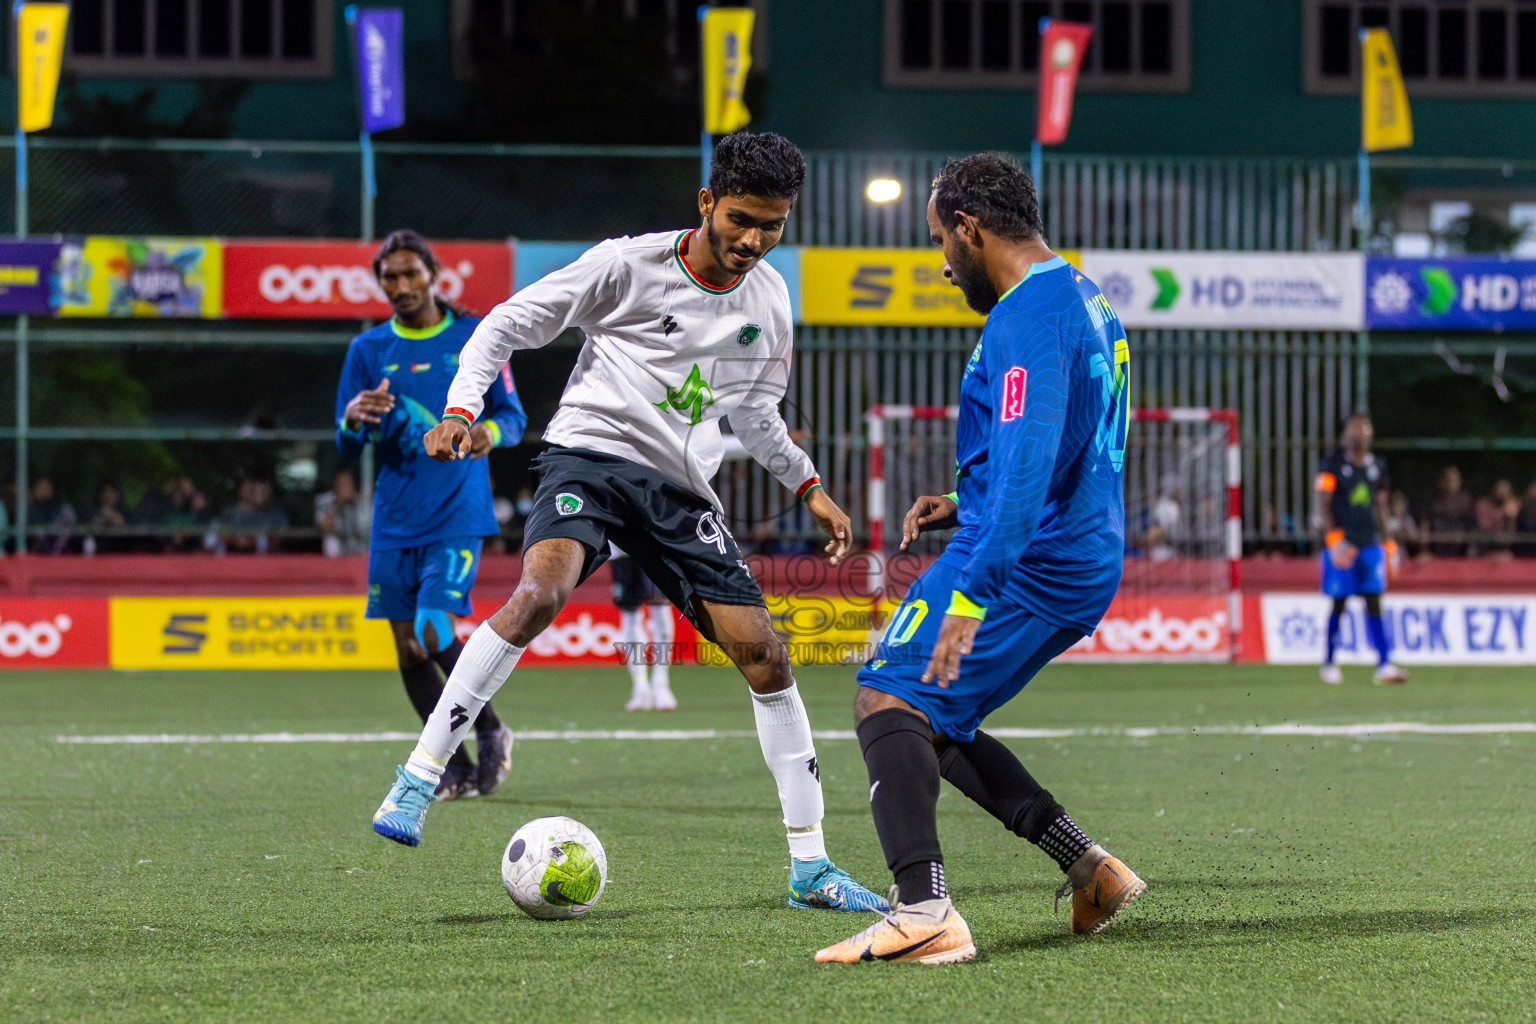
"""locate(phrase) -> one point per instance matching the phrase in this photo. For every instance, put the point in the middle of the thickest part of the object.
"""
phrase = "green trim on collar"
(677, 251)
(1035, 268)
(422, 333)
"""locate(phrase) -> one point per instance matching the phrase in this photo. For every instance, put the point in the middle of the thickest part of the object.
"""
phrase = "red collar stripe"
(682, 260)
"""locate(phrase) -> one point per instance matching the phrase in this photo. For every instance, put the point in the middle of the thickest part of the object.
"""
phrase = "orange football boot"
(931, 932)
(1101, 887)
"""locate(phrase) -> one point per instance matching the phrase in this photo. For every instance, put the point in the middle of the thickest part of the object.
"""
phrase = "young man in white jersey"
(683, 329)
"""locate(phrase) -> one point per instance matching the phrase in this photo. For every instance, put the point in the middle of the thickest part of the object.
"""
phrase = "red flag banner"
(1062, 45)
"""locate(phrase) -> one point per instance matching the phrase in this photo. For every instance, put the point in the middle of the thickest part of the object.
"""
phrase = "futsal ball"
(554, 869)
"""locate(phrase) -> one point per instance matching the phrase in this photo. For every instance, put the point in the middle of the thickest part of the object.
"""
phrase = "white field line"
(1358, 730)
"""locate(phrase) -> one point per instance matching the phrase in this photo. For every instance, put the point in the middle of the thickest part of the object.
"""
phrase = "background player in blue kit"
(1351, 493)
(1032, 568)
(428, 517)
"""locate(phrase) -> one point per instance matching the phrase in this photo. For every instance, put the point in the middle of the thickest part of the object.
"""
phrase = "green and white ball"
(554, 869)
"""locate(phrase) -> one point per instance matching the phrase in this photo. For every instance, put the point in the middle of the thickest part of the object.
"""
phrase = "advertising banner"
(248, 632)
(101, 276)
(1241, 290)
(726, 45)
(1165, 627)
(1473, 293)
(894, 287)
(29, 271)
(381, 67)
(1063, 44)
(327, 279)
(40, 32)
(64, 632)
(1426, 629)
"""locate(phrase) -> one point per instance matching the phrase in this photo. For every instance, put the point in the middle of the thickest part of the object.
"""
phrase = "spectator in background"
(1496, 513)
(342, 517)
(1401, 525)
(244, 527)
(1525, 523)
(1164, 521)
(177, 513)
(108, 515)
(1450, 516)
(47, 511)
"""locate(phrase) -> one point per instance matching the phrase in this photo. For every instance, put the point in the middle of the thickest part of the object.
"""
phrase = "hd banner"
(1469, 293)
(1231, 290)
(326, 279)
(105, 276)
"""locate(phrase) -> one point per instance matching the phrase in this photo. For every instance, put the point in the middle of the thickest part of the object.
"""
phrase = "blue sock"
(805, 870)
(1333, 636)
(1378, 633)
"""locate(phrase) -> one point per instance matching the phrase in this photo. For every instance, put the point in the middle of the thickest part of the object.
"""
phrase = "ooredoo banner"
(1168, 627)
(1426, 629)
(322, 279)
(43, 632)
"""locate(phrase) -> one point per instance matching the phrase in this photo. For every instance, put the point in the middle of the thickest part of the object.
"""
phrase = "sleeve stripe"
(1327, 482)
(463, 414)
(806, 487)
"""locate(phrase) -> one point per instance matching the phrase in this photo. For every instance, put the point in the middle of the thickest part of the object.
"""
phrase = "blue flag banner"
(1475, 293)
(381, 67)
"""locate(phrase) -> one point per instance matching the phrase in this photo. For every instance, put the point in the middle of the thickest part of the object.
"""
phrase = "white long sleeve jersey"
(666, 357)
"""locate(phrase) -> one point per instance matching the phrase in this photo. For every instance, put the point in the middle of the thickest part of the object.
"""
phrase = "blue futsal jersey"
(1039, 452)
(417, 500)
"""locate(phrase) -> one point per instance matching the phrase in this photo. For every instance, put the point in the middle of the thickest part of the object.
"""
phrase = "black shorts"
(631, 586)
(673, 535)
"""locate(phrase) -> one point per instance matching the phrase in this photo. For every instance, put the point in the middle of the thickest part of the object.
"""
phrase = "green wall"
(1245, 96)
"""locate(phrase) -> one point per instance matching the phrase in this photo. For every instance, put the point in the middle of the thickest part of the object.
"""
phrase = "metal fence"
(1289, 388)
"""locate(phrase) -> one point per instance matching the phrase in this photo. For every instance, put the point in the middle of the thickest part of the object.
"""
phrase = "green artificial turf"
(1292, 878)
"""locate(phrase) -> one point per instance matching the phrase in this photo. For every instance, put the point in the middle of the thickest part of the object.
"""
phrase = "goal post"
(1179, 596)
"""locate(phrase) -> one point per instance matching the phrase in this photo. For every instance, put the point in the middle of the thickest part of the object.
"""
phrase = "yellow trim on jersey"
(959, 604)
(421, 333)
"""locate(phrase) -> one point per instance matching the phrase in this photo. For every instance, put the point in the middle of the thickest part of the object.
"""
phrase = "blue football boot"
(822, 885)
(402, 813)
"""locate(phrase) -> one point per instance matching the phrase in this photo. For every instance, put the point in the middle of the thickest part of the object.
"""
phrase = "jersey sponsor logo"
(748, 334)
(567, 504)
(1015, 384)
(420, 367)
(1361, 495)
(668, 325)
(690, 399)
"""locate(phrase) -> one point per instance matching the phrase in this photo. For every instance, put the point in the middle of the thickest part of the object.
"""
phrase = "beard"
(717, 248)
(974, 284)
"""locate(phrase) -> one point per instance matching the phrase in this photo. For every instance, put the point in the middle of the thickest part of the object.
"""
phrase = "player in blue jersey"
(1030, 571)
(1351, 506)
(429, 517)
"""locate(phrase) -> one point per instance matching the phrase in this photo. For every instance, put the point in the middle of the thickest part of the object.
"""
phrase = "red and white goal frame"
(1136, 634)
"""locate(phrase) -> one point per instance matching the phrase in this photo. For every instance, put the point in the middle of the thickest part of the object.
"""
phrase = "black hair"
(992, 188)
(757, 164)
(405, 240)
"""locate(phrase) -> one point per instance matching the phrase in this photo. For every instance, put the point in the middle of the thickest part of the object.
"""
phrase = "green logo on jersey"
(691, 398)
(748, 334)
(1361, 495)
(567, 504)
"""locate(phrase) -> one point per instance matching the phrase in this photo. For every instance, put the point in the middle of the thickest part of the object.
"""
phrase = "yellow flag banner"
(1384, 119)
(39, 50)
(726, 50)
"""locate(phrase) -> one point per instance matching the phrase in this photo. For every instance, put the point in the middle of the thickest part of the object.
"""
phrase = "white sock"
(484, 664)
(785, 734)
(632, 636)
(663, 629)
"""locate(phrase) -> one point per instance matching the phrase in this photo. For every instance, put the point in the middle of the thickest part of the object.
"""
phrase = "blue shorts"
(1367, 576)
(1012, 645)
(436, 576)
